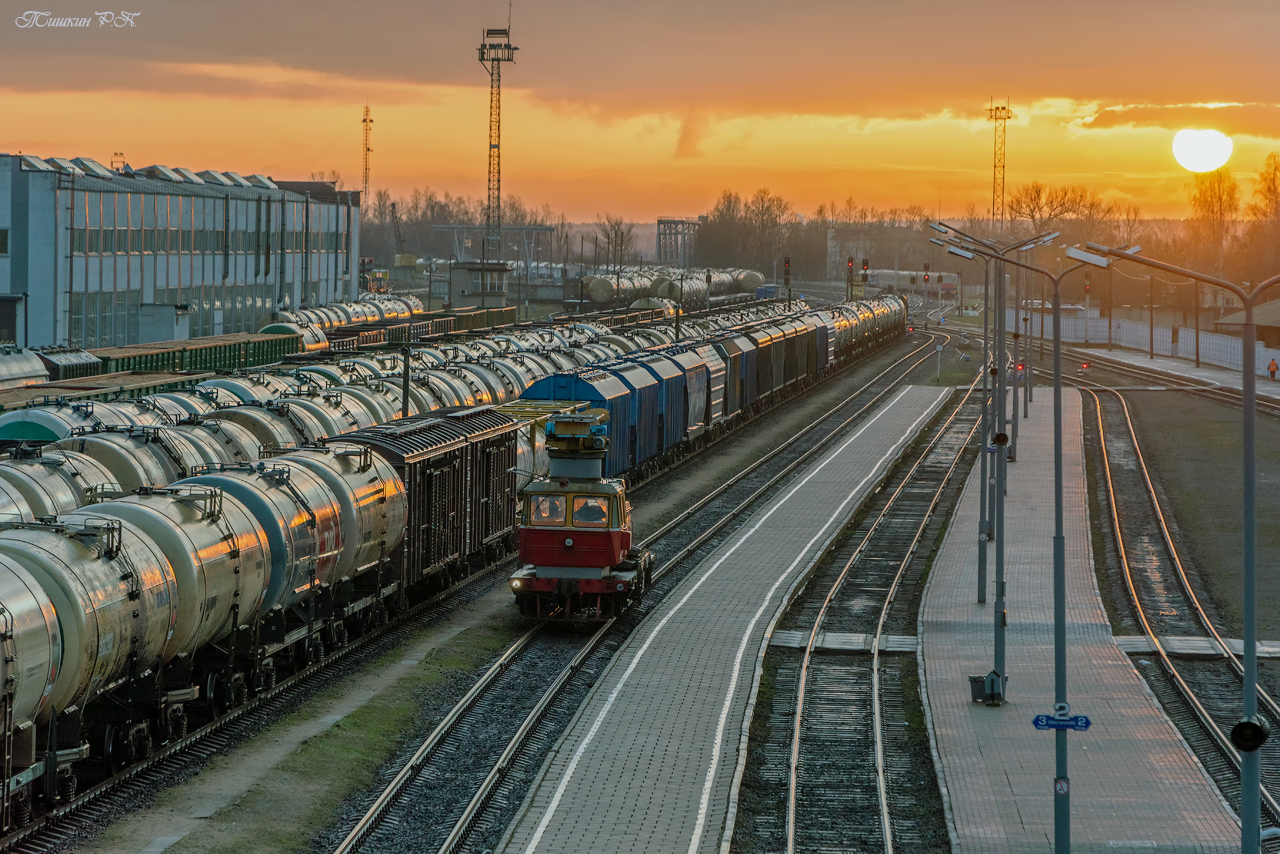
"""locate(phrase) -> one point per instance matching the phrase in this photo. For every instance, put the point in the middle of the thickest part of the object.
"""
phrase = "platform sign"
(938, 347)
(1079, 723)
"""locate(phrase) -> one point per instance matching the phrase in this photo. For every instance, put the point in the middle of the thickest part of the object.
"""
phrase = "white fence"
(1215, 348)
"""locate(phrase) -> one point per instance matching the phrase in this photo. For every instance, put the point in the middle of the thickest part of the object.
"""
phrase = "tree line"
(1225, 234)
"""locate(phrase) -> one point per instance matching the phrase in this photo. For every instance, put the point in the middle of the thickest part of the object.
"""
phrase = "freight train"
(161, 560)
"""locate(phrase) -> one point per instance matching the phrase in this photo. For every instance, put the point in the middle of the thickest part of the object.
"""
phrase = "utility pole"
(786, 278)
(367, 124)
(495, 49)
(1000, 115)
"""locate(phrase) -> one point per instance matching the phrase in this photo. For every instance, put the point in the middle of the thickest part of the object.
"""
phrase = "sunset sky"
(653, 108)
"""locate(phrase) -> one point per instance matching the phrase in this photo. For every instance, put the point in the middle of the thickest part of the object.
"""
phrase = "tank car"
(577, 563)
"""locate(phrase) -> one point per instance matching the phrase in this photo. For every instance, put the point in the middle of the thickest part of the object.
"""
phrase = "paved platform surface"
(1134, 783)
(648, 763)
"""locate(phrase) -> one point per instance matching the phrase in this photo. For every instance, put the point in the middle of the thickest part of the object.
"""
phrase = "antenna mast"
(495, 49)
(368, 129)
(998, 114)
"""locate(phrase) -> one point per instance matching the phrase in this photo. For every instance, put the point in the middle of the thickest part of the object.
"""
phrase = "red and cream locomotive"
(577, 563)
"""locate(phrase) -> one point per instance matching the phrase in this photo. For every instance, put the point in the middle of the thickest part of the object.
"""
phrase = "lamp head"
(937, 226)
(963, 253)
(1088, 257)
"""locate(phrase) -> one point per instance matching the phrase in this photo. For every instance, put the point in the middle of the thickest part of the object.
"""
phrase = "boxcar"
(457, 466)
(602, 390)
(673, 399)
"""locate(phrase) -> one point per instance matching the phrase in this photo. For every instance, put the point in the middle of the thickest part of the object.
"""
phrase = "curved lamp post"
(1061, 789)
(1246, 734)
(987, 504)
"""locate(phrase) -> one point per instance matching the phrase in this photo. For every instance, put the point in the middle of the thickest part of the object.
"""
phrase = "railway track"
(527, 739)
(59, 828)
(827, 779)
(115, 794)
(1156, 379)
(1202, 698)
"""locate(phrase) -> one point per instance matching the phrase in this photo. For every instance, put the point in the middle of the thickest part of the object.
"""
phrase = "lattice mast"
(367, 123)
(495, 49)
(999, 114)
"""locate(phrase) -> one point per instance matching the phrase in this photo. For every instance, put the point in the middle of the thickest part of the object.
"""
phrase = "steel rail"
(1189, 697)
(104, 787)
(792, 787)
(373, 816)
(482, 796)
(51, 820)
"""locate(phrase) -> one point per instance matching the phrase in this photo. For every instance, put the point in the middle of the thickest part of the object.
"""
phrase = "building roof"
(1266, 314)
(90, 175)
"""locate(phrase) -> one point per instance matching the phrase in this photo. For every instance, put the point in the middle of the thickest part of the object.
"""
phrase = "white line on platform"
(563, 785)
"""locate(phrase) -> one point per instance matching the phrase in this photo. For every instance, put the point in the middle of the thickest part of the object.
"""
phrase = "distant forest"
(1226, 234)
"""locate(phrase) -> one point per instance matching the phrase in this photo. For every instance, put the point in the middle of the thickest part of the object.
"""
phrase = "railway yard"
(793, 674)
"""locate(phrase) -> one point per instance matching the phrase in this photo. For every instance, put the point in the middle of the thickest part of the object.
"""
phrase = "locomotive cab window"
(547, 510)
(590, 511)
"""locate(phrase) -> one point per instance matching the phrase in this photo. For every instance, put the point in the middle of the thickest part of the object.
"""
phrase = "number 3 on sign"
(1061, 786)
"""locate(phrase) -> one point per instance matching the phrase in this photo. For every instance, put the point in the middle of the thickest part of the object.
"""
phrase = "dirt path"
(260, 797)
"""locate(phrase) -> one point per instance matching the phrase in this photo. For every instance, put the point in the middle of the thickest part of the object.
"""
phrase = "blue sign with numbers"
(1079, 723)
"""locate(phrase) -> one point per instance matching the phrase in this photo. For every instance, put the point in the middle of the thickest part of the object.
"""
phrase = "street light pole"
(984, 527)
(1250, 733)
(1061, 788)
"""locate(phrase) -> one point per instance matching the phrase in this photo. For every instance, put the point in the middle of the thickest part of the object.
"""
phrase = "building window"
(4, 241)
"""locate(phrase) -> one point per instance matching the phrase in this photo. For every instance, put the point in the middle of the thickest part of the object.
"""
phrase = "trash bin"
(978, 688)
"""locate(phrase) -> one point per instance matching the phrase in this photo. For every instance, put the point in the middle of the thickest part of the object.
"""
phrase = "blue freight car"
(673, 399)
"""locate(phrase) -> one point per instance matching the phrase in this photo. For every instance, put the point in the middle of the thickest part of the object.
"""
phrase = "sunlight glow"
(1201, 150)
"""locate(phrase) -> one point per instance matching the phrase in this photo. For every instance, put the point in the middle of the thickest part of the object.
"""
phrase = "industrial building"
(99, 257)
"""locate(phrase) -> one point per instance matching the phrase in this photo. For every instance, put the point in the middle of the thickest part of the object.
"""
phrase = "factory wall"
(86, 253)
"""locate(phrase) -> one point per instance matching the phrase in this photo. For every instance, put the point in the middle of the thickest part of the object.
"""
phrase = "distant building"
(478, 283)
(96, 257)
(675, 239)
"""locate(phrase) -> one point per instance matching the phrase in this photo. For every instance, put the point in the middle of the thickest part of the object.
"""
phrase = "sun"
(1201, 150)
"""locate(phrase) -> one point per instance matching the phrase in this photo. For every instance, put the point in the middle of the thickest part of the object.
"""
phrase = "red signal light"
(1085, 366)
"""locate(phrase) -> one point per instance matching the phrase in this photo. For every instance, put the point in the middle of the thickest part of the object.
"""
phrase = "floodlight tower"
(998, 114)
(367, 122)
(495, 49)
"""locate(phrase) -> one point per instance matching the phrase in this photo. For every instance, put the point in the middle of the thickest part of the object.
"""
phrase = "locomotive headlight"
(568, 541)
(621, 587)
(515, 584)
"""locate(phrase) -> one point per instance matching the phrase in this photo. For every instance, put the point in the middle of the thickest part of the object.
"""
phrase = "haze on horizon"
(654, 109)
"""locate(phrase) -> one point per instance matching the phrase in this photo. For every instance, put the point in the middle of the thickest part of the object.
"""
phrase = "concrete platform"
(651, 761)
(1134, 782)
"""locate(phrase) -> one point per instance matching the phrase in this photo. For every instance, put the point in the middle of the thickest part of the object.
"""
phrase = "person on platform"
(1272, 368)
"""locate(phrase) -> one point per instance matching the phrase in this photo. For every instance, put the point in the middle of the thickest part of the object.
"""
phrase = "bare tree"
(1042, 205)
(333, 176)
(618, 237)
(1128, 223)
(1263, 212)
(1215, 208)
